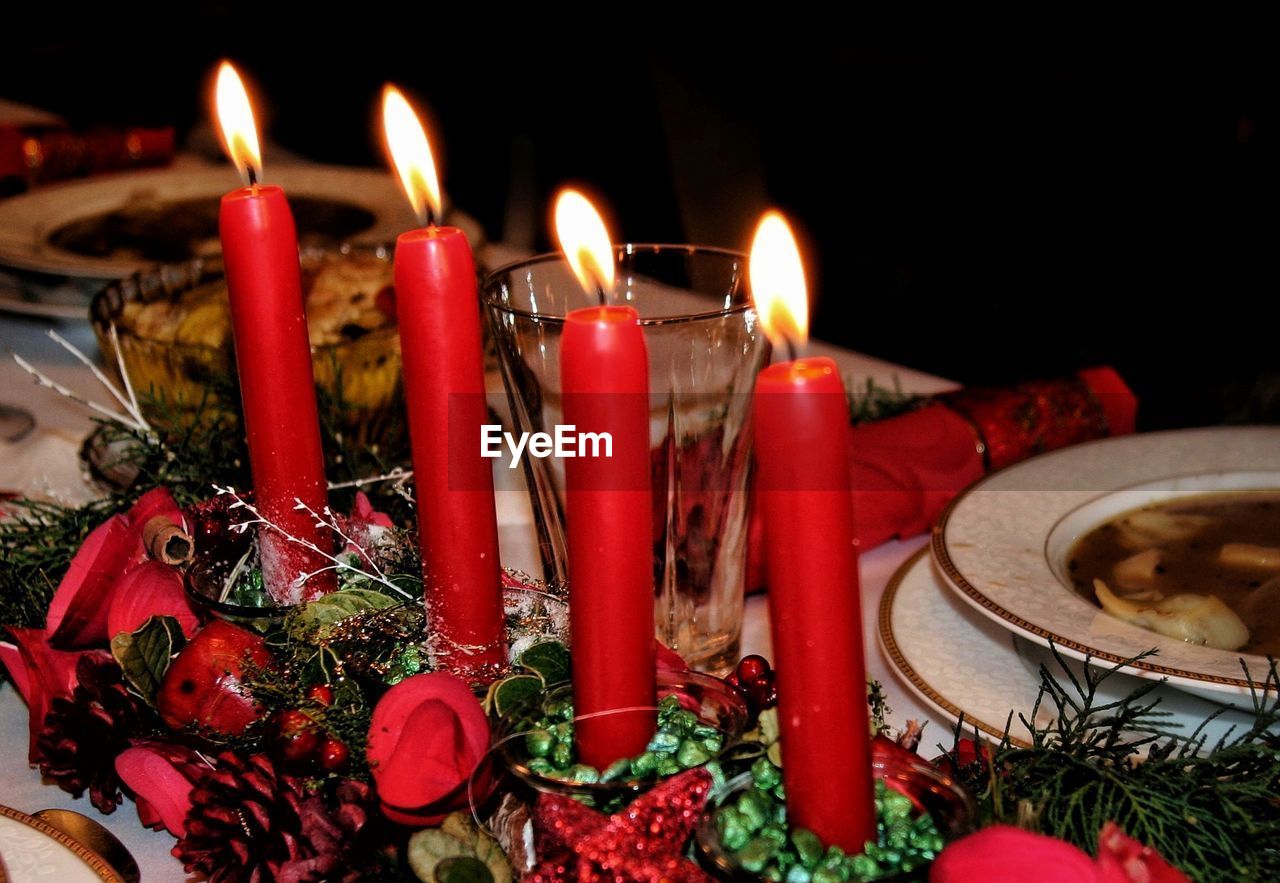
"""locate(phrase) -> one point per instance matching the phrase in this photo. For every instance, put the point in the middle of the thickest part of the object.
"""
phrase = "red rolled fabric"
(906, 469)
(40, 154)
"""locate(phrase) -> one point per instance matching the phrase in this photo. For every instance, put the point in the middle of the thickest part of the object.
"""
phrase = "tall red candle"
(802, 477)
(801, 424)
(273, 357)
(438, 309)
(604, 373)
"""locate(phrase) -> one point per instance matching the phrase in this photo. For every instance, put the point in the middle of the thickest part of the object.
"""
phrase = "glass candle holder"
(715, 703)
(705, 349)
(930, 790)
(208, 579)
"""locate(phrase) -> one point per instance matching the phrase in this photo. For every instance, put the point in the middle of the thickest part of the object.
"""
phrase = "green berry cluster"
(753, 827)
(681, 742)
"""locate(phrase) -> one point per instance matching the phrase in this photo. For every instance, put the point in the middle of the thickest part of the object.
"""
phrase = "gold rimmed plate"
(1002, 545)
(959, 662)
(32, 849)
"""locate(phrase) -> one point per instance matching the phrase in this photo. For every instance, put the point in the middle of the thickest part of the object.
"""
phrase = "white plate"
(994, 545)
(31, 849)
(38, 278)
(959, 662)
(27, 221)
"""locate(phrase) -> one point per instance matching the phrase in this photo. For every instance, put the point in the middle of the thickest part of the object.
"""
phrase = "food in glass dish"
(1204, 569)
(174, 330)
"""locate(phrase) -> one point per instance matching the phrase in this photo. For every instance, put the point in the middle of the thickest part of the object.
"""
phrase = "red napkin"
(905, 470)
(39, 154)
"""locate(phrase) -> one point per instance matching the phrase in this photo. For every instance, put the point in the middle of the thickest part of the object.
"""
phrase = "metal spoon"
(96, 837)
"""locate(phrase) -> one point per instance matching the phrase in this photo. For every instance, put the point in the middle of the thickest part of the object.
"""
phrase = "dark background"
(987, 214)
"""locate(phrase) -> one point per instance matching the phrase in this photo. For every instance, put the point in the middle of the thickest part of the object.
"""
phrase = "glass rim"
(619, 249)
(509, 751)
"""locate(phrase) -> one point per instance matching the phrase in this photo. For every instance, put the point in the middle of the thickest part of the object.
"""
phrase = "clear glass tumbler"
(705, 348)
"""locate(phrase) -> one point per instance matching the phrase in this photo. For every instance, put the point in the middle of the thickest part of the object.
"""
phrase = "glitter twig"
(338, 563)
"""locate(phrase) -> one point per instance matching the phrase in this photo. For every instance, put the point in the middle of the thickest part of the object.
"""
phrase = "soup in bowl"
(1194, 558)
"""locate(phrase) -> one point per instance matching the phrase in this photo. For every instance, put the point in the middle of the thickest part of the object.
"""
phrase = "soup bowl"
(1004, 545)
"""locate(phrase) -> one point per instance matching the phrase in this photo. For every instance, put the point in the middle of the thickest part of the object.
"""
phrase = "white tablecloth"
(45, 463)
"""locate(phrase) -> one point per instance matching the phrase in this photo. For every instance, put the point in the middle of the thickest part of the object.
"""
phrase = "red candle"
(273, 357)
(438, 310)
(604, 373)
(802, 478)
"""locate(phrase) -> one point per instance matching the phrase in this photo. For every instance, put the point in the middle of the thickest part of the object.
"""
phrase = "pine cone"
(83, 735)
(251, 822)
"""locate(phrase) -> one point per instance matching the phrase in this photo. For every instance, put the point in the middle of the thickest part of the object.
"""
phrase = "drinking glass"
(705, 348)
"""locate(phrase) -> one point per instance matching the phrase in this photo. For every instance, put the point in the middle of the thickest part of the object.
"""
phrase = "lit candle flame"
(235, 123)
(584, 241)
(776, 277)
(411, 154)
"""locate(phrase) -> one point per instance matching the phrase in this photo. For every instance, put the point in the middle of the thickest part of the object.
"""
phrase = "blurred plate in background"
(60, 244)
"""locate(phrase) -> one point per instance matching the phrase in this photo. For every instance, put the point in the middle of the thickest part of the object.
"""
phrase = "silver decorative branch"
(46, 381)
(330, 522)
(397, 475)
(132, 416)
(337, 563)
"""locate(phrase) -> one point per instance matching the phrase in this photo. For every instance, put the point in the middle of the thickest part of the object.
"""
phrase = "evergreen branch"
(1213, 814)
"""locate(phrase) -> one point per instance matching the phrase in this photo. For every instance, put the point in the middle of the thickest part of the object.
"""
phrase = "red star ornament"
(639, 844)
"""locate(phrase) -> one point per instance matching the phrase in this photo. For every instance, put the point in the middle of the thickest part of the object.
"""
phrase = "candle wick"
(790, 344)
(252, 175)
(600, 295)
(427, 216)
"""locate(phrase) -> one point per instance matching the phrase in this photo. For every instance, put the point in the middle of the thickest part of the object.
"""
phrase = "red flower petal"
(11, 659)
(1004, 853)
(48, 674)
(160, 785)
(150, 589)
(1121, 859)
(428, 735)
(157, 501)
(365, 512)
(78, 611)
(147, 814)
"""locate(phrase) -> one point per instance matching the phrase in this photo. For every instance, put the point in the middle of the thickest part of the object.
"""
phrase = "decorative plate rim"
(892, 649)
(96, 863)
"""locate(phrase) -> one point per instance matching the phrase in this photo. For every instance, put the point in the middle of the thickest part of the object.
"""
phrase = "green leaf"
(146, 654)
(407, 582)
(510, 692)
(549, 660)
(315, 620)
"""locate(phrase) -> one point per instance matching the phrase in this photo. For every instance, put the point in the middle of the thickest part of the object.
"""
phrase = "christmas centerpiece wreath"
(321, 742)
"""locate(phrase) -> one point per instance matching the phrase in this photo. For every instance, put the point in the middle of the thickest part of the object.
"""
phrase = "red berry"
(752, 668)
(732, 680)
(294, 736)
(333, 755)
(321, 694)
(762, 693)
